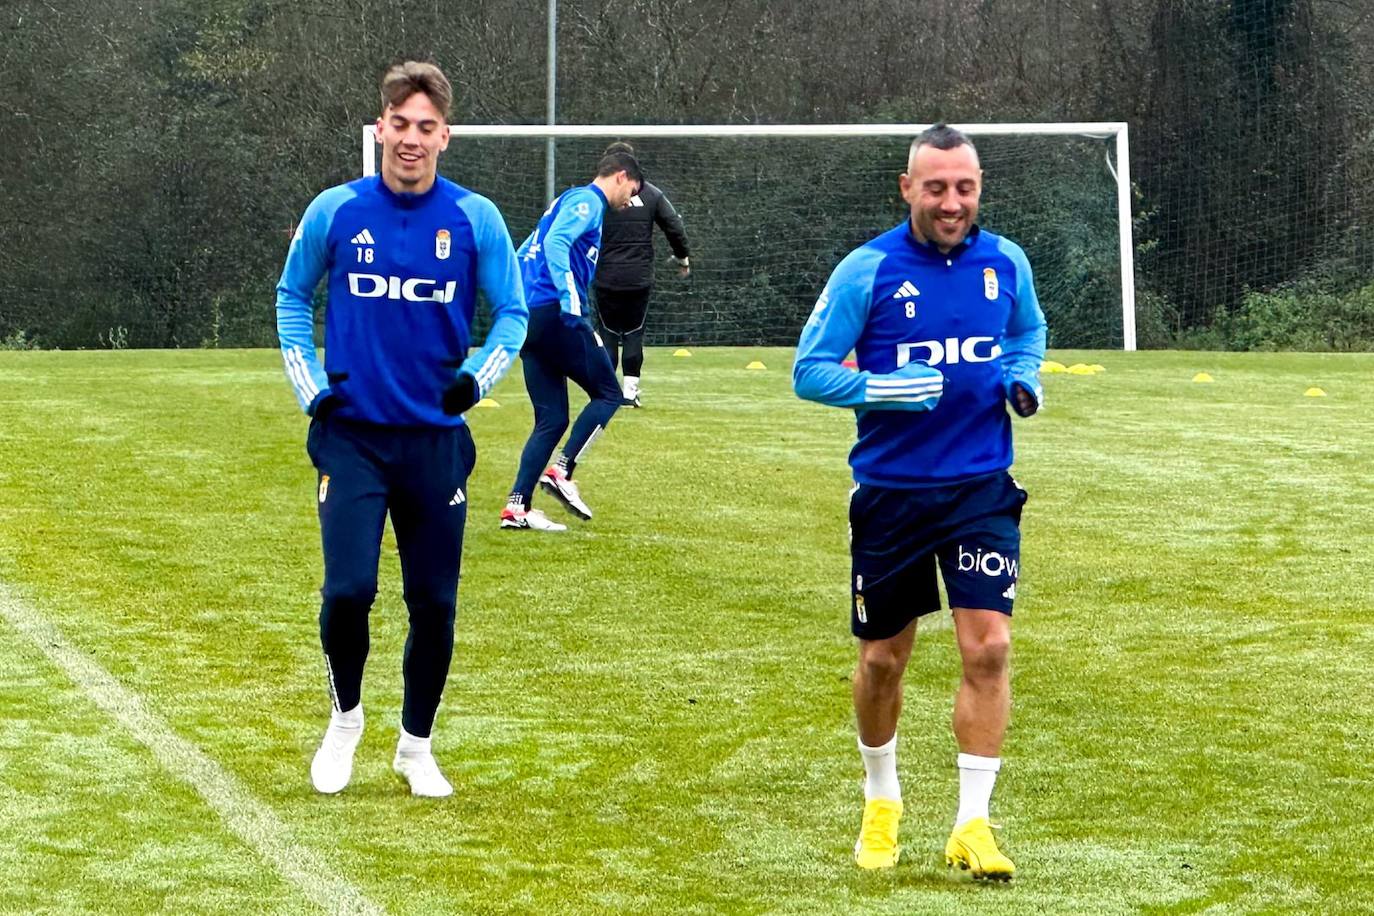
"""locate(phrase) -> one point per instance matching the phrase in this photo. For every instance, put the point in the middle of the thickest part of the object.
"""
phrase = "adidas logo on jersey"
(458, 498)
(907, 290)
(364, 238)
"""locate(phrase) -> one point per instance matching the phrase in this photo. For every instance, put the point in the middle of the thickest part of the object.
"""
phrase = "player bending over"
(557, 262)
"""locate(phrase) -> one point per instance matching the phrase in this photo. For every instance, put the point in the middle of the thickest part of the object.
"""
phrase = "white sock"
(416, 763)
(411, 745)
(977, 775)
(880, 765)
(353, 718)
(631, 386)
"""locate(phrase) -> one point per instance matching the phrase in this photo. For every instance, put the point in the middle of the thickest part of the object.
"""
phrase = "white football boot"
(332, 767)
(417, 765)
(517, 516)
(560, 485)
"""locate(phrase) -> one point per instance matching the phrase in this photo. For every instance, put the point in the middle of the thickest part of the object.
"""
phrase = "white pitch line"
(249, 819)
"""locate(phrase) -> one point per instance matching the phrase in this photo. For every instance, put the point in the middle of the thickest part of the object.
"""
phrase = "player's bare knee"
(988, 658)
(881, 663)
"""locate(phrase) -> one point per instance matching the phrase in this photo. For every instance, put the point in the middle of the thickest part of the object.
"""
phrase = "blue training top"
(403, 275)
(558, 260)
(939, 338)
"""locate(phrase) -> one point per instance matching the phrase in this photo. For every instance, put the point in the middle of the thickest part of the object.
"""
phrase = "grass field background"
(651, 713)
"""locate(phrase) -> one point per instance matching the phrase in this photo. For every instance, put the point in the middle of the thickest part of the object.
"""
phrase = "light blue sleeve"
(581, 210)
(833, 329)
(1023, 345)
(307, 260)
(498, 276)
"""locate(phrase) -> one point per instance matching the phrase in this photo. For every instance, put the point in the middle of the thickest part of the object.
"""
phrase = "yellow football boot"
(877, 843)
(972, 848)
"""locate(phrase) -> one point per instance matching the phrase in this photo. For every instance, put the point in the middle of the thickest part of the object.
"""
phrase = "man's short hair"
(404, 80)
(618, 160)
(941, 136)
(619, 146)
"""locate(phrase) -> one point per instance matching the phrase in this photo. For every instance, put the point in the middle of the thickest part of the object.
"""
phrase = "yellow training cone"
(1314, 393)
(1202, 377)
(756, 365)
(682, 351)
(1080, 369)
(487, 402)
(1050, 367)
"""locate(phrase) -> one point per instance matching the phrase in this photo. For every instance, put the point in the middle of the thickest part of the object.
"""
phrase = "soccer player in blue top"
(945, 323)
(557, 262)
(403, 255)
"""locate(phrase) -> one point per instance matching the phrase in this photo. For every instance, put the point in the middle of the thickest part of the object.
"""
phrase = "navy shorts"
(973, 530)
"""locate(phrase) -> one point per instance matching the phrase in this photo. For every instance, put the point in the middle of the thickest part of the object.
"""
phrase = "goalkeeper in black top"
(625, 274)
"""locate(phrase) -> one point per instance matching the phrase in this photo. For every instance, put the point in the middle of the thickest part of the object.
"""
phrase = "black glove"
(1023, 400)
(461, 395)
(327, 405)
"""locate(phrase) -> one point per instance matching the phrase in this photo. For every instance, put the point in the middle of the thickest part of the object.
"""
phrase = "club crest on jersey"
(443, 244)
(989, 283)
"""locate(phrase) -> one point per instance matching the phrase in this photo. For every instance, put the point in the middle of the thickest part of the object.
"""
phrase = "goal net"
(769, 212)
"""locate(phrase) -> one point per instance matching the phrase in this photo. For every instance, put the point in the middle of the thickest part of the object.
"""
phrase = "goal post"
(1049, 189)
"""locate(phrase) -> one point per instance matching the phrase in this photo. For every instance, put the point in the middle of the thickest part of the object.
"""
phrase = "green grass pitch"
(650, 713)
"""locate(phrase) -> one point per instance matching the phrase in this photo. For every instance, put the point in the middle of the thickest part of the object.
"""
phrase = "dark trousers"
(420, 477)
(621, 313)
(559, 347)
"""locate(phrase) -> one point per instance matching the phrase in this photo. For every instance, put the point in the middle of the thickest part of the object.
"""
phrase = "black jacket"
(626, 259)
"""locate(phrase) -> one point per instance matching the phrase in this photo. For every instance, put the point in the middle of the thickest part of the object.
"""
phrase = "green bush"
(1307, 315)
(1155, 320)
(19, 340)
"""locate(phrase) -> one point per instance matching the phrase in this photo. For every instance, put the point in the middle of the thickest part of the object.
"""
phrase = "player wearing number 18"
(945, 323)
(404, 255)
